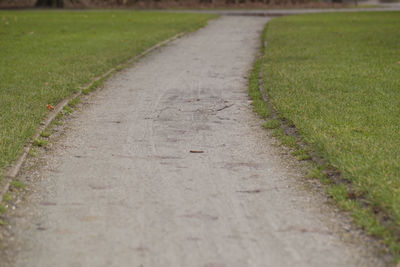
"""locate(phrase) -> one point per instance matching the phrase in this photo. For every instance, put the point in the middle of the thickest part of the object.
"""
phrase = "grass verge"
(334, 77)
(47, 55)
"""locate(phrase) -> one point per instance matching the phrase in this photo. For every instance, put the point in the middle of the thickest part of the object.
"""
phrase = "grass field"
(45, 56)
(336, 77)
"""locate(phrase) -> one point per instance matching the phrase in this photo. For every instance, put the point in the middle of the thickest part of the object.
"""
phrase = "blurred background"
(186, 3)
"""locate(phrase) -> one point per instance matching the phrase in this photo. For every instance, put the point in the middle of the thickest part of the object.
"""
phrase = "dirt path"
(123, 188)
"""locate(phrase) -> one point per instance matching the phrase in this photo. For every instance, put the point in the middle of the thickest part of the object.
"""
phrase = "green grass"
(259, 105)
(46, 55)
(301, 154)
(74, 102)
(3, 209)
(336, 77)
(272, 124)
(18, 184)
(45, 133)
(7, 197)
(40, 142)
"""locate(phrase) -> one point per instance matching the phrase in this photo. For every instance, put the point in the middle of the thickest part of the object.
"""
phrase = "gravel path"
(124, 188)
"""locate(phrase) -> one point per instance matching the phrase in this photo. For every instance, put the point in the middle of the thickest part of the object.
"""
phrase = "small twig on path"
(196, 151)
(224, 107)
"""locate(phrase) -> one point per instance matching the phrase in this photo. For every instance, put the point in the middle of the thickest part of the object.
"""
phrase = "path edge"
(14, 169)
(389, 253)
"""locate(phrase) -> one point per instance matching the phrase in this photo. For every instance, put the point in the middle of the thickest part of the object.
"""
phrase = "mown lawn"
(46, 55)
(337, 78)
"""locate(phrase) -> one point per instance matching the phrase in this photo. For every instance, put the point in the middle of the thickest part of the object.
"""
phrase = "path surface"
(124, 189)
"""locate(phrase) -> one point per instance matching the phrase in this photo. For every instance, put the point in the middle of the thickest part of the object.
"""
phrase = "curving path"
(123, 188)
